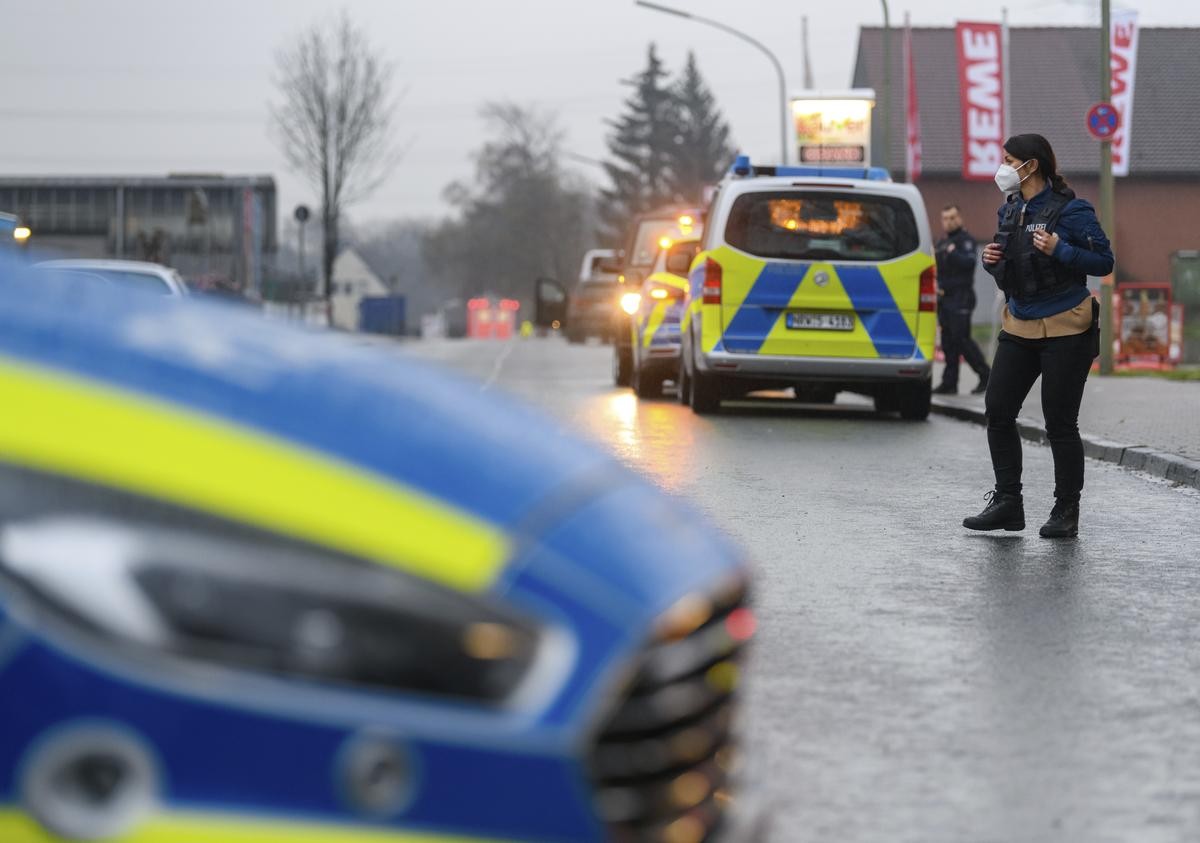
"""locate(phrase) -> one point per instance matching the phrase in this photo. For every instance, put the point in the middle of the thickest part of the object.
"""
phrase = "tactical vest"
(1028, 272)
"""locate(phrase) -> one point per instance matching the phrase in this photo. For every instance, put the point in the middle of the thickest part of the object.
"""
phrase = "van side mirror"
(608, 266)
(679, 261)
(550, 304)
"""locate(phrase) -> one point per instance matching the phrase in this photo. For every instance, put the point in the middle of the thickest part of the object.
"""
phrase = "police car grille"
(661, 761)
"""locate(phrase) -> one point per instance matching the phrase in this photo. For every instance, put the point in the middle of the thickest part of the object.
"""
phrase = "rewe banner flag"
(1124, 39)
(912, 146)
(981, 96)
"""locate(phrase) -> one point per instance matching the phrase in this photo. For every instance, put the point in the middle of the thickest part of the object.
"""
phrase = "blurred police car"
(258, 584)
(817, 278)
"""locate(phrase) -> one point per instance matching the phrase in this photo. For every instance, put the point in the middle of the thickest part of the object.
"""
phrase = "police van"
(656, 321)
(819, 279)
(648, 234)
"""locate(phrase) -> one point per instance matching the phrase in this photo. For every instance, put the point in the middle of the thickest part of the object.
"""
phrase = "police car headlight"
(291, 612)
(630, 302)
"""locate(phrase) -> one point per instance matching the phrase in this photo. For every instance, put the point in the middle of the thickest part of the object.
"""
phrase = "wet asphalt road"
(913, 681)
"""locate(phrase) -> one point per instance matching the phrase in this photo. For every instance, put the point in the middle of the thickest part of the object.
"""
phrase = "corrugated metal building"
(223, 226)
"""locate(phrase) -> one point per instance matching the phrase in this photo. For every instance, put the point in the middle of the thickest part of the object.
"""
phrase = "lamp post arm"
(758, 45)
(783, 98)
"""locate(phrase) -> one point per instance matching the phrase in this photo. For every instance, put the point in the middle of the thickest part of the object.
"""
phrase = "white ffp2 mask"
(1008, 179)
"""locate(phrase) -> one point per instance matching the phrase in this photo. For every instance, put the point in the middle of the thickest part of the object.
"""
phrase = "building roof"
(350, 266)
(1055, 80)
(181, 180)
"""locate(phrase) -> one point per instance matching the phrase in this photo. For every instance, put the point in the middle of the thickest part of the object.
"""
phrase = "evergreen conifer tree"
(643, 146)
(703, 152)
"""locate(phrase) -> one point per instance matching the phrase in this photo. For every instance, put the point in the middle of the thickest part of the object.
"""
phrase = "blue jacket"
(1082, 245)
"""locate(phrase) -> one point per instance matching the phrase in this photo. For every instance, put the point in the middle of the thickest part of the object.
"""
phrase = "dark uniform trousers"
(1063, 364)
(957, 343)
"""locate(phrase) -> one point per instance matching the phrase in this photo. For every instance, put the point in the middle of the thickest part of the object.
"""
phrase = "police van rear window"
(793, 225)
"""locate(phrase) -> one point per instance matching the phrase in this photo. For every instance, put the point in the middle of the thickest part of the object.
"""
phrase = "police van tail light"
(711, 290)
(929, 290)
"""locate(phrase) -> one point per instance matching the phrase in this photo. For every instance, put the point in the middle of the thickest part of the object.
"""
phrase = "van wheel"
(886, 402)
(915, 401)
(646, 386)
(705, 393)
(684, 383)
(815, 394)
(621, 367)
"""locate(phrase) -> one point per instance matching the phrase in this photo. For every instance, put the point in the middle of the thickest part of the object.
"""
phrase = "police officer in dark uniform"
(956, 259)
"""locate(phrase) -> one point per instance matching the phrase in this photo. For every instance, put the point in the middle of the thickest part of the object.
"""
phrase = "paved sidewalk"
(1145, 423)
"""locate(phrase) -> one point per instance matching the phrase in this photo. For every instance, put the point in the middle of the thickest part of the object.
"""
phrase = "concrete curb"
(1170, 467)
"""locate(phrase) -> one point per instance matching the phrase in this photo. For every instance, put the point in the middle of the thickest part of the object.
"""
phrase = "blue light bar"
(742, 168)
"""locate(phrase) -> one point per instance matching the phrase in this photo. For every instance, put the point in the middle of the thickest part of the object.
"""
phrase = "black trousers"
(957, 343)
(1063, 364)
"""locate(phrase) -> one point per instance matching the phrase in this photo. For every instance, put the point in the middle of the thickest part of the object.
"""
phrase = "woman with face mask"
(1047, 245)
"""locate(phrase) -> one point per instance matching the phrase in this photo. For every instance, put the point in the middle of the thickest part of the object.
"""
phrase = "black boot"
(982, 387)
(1064, 520)
(946, 389)
(1003, 512)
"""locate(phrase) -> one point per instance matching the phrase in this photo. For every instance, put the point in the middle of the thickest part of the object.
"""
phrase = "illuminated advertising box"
(834, 127)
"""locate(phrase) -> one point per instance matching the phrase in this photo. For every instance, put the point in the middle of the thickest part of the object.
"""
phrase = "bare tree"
(333, 124)
(520, 217)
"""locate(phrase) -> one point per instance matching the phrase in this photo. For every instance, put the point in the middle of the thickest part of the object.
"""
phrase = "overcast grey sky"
(155, 86)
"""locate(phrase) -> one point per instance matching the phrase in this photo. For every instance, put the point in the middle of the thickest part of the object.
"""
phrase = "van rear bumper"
(842, 369)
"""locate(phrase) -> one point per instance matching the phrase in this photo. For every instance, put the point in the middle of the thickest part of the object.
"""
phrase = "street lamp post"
(1106, 193)
(783, 98)
(301, 215)
(886, 116)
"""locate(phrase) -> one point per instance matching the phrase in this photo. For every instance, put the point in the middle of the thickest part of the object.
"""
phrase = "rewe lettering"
(981, 87)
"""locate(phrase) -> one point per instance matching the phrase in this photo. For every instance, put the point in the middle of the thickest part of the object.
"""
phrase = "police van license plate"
(820, 321)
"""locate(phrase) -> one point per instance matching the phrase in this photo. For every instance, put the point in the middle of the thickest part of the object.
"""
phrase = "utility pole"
(1107, 221)
(886, 104)
(808, 78)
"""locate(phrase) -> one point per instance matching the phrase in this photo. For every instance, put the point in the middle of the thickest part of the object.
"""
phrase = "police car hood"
(371, 408)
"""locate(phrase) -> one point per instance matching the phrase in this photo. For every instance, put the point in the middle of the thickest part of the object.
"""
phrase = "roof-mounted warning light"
(742, 168)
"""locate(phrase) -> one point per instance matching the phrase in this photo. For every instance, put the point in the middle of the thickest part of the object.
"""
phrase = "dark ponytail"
(1037, 147)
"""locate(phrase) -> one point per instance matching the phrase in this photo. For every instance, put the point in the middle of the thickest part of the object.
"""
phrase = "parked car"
(140, 275)
(590, 308)
(13, 233)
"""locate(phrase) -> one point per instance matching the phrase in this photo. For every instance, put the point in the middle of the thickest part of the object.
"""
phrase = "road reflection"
(655, 438)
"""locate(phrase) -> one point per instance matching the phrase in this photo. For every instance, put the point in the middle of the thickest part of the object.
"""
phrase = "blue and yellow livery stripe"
(121, 439)
(170, 827)
(884, 298)
(669, 279)
(653, 320)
